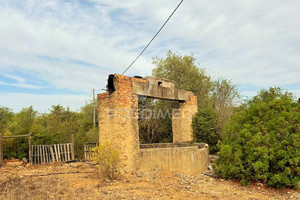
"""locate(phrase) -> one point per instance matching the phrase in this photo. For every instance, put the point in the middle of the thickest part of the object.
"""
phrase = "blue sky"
(56, 52)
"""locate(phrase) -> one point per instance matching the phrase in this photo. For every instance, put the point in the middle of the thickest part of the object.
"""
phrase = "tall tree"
(22, 122)
(186, 75)
(224, 97)
(6, 116)
(217, 96)
(155, 121)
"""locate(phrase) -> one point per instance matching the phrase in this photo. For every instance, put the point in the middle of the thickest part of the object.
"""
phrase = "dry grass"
(81, 181)
(43, 182)
(49, 187)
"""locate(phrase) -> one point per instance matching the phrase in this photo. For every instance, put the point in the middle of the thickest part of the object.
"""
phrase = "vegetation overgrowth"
(108, 158)
(256, 140)
(262, 141)
(47, 128)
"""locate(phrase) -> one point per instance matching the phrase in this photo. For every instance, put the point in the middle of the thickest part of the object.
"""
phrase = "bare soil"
(81, 181)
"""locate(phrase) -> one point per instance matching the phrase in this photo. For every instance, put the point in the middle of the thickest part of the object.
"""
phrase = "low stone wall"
(188, 159)
(172, 145)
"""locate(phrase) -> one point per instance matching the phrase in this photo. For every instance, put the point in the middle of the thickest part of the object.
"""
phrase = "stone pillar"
(118, 120)
(182, 120)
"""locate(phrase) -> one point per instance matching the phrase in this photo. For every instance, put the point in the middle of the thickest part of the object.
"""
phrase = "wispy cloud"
(20, 85)
(75, 44)
(16, 78)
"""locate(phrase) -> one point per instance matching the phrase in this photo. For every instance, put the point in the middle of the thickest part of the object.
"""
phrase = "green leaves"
(53, 127)
(186, 75)
(5, 117)
(22, 121)
(108, 157)
(264, 140)
(205, 128)
(216, 98)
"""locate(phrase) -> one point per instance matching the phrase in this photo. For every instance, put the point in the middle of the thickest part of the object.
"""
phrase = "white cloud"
(65, 42)
(16, 78)
(20, 85)
(250, 94)
(296, 92)
(250, 42)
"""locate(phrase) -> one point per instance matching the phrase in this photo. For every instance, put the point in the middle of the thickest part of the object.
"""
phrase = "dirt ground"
(81, 180)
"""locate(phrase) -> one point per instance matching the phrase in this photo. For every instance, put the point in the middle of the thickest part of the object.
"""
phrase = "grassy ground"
(81, 181)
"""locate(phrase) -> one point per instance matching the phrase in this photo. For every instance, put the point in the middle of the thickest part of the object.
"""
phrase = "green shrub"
(109, 160)
(205, 128)
(262, 142)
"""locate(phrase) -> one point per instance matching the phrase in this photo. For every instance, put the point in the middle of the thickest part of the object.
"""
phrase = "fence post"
(1, 150)
(72, 146)
(30, 148)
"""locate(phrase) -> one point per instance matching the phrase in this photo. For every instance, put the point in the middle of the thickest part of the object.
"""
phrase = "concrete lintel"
(158, 88)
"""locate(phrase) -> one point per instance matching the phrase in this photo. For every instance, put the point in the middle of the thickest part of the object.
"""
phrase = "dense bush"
(262, 142)
(205, 128)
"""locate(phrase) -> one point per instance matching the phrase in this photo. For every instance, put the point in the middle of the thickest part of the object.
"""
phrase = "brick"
(123, 129)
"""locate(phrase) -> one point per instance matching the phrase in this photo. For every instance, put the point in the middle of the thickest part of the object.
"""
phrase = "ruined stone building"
(118, 123)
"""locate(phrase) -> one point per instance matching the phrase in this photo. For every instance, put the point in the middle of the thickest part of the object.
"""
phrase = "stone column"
(182, 120)
(118, 120)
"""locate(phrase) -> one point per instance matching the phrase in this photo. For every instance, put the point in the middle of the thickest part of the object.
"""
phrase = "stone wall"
(182, 120)
(118, 123)
(172, 145)
(182, 160)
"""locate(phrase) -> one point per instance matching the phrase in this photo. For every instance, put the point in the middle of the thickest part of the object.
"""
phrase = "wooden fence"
(42, 154)
(87, 149)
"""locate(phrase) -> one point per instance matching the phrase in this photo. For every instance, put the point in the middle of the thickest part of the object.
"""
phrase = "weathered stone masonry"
(114, 123)
(118, 121)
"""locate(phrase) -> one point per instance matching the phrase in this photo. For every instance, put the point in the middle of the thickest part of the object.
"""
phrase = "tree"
(217, 96)
(89, 133)
(224, 96)
(262, 141)
(86, 120)
(47, 128)
(205, 128)
(186, 74)
(22, 122)
(6, 116)
(154, 121)
(88, 115)
(59, 124)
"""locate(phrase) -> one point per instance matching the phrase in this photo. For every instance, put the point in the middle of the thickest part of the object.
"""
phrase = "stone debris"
(24, 160)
